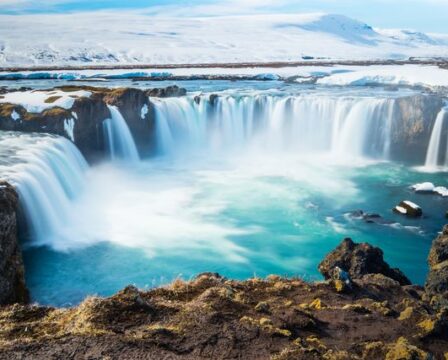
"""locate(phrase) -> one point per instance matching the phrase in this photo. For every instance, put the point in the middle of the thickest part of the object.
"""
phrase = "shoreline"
(443, 63)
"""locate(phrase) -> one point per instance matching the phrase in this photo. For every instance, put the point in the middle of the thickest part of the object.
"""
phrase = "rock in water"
(437, 281)
(359, 260)
(12, 280)
(408, 208)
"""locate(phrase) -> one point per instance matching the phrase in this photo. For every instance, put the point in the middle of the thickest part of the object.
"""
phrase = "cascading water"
(435, 151)
(342, 126)
(48, 174)
(119, 138)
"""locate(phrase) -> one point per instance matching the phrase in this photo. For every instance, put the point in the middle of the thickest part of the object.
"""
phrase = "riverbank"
(359, 313)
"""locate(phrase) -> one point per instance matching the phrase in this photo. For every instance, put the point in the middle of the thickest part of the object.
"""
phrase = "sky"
(420, 15)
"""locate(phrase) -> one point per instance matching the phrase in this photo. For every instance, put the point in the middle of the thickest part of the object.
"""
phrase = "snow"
(411, 204)
(337, 75)
(142, 38)
(144, 111)
(75, 115)
(428, 187)
(423, 187)
(15, 116)
(69, 125)
(412, 75)
(401, 210)
(34, 101)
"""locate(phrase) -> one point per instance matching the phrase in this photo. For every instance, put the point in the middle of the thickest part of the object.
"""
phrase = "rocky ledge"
(364, 310)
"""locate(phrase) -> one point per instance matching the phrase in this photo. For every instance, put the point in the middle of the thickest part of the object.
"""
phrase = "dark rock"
(132, 103)
(414, 118)
(409, 209)
(12, 280)
(437, 281)
(358, 260)
(213, 98)
(370, 218)
(170, 91)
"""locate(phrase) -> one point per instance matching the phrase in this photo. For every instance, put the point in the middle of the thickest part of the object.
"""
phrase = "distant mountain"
(133, 38)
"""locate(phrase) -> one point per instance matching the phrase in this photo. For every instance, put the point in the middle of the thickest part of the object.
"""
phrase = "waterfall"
(434, 151)
(48, 174)
(119, 138)
(342, 126)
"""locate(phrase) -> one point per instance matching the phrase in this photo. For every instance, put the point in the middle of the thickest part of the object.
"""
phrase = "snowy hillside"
(132, 38)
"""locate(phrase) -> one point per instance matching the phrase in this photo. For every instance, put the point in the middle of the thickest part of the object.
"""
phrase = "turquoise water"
(240, 217)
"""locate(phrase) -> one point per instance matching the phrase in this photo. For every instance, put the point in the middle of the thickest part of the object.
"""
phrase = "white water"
(119, 138)
(434, 148)
(342, 126)
(48, 174)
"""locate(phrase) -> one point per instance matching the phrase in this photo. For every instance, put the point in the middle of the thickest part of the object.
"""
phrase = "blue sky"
(422, 15)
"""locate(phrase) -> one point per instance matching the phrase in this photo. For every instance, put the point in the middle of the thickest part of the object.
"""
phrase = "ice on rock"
(423, 187)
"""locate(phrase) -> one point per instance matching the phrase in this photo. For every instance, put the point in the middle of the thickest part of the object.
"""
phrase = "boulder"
(358, 260)
(409, 209)
(12, 279)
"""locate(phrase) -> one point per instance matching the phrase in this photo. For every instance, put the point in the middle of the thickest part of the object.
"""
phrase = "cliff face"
(87, 116)
(12, 281)
(437, 281)
(415, 117)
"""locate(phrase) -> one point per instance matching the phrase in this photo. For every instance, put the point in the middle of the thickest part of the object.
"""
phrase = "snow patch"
(37, 101)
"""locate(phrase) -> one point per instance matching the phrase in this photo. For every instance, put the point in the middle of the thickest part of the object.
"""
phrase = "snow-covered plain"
(138, 38)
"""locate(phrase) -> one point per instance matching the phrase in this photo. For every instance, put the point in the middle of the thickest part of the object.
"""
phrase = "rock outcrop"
(359, 260)
(212, 317)
(12, 281)
(412, 126)
(87, 116)
(437, 281)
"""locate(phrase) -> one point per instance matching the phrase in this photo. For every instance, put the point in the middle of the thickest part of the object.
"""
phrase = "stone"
(436, 285)
(12, 279)
(358, 260)
(409, 209)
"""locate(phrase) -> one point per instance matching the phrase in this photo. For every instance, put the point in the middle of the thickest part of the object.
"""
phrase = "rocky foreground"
(364, 310)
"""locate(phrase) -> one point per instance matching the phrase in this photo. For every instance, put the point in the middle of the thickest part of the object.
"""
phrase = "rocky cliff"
(414, 118)
(12, 281)
(369, 316)
(87, 115)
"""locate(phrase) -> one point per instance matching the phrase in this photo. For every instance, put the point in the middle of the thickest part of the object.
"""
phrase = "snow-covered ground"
(37, 101)
(339, 75)
(136, 38)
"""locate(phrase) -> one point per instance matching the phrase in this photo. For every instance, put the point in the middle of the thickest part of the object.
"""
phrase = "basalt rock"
(170, 91)
(136, 109)
(12, 281)
(87, 116)
(359, 260)
(412, 126)
(437, 281)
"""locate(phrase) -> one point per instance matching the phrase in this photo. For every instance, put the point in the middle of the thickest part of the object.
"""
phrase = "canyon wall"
(12, 281)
